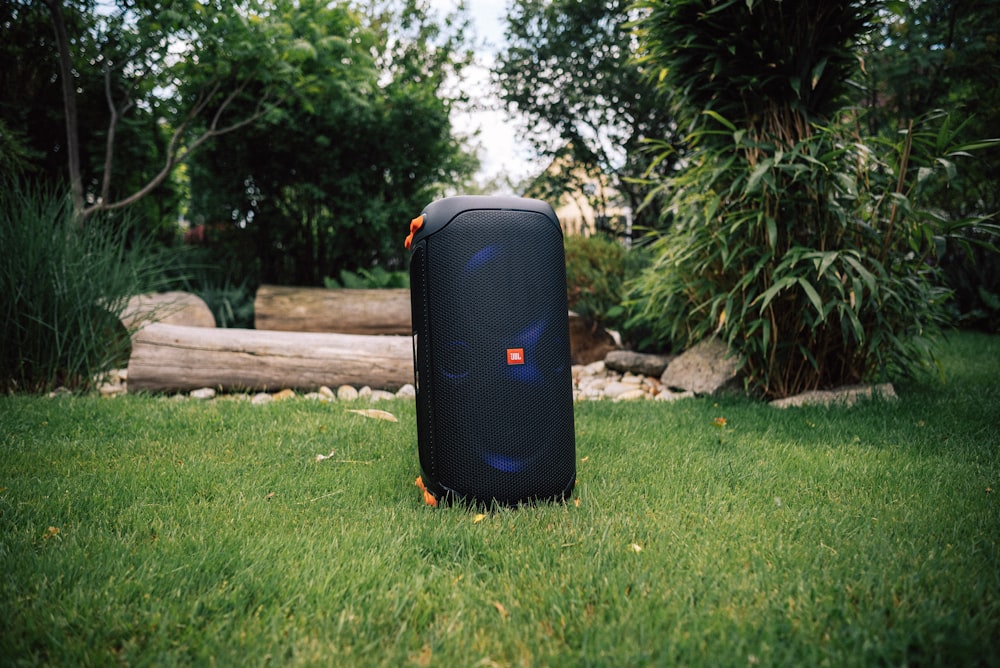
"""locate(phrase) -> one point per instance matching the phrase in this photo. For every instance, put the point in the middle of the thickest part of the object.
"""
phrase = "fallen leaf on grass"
(478, 518)
(636, 547)
(374, 414)
(320, 458)
(502, 610)
(585, 458)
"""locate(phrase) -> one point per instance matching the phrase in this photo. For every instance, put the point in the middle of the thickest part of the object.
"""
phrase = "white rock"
(631, 395)
(346, 393)
(380, 395)
(326, 392)
(594, 368)
(408, 391)
(613, 390)
(261, 398)
(365, 392)
(667, 395)
(203, 393)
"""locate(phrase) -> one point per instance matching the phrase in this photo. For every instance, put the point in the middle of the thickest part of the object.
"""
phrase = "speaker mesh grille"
(501, 395)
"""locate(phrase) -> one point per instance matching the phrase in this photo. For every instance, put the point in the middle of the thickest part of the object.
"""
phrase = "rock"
(631, 395)
(640, 364)
(202, 393)
(408, 391)
(616, 389)
(111, 389)
(284, 394)
(703, 369)
(667, 395)
(380, 395)
(846, 396)
(594, 368)
(327, 393)
(346, 393)
(261, 398)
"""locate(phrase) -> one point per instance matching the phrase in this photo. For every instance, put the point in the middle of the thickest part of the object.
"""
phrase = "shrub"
(807, 246)
(63, 288)
(817, 263)
(597, 270)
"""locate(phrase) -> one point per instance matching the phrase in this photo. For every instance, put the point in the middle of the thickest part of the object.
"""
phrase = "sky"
(501, 151)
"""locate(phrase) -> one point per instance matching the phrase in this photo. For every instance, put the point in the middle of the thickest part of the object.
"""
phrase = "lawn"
(153, 531)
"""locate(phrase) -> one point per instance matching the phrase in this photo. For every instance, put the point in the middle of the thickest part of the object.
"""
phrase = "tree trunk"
(291, 309)
(69, 105)
(179, 358)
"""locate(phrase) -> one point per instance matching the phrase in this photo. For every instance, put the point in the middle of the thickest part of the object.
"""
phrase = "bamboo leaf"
(811, 293)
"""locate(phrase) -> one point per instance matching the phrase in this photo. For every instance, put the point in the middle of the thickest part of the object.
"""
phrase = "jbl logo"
(515, 356)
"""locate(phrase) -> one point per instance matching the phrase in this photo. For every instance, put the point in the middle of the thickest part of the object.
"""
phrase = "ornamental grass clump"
(63, 287)
(803, 243)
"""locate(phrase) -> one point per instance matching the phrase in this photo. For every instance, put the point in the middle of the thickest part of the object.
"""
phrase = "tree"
(569, 71)
(199, 71)
(329, 183)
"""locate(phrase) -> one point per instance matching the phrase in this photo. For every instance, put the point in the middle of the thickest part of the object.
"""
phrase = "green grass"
(187, 532)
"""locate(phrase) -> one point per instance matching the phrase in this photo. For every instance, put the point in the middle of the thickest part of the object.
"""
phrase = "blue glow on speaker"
(529, 372)
(455, 360)
(483, 256)
(503, 462)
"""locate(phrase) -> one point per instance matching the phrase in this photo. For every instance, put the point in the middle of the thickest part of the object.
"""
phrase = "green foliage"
(374, 278)
(144, 531)
(63, 288)
(567, 69)
(808, 247)
(332, 181)
(597, 270)
(816, 263)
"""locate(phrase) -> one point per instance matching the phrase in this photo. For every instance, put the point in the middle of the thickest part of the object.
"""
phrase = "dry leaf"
(270, 495)
(502, 610)
(320, 458)
(576, 502)
(374, 414)
(636, 547)
(478, 518)
(585, 458)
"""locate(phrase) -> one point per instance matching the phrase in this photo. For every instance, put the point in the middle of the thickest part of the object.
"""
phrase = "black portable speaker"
(491, 351)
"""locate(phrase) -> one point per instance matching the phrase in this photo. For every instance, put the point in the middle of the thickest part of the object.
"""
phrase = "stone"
(202, 393)
(614, 390)
(346, 393)
(845, 396)
(365, 392)
(639, 364)
(667, 395)
(631, 395)
(408, 391)
(327, 393)
(380, 395)
(261, 398)
(703, 369)
(284, 395)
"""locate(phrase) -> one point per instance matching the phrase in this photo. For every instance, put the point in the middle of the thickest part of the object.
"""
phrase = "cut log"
(170, 308)
(292, 309)
(179, 358)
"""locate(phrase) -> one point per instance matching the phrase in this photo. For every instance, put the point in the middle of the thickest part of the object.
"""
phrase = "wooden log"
(294, 309)
(179, 358)
(170, 308)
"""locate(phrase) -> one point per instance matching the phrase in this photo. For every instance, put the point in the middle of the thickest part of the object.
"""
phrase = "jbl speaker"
(491, 351)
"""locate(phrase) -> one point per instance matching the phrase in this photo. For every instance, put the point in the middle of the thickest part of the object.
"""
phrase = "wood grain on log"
(296, 309)
(178, 358)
